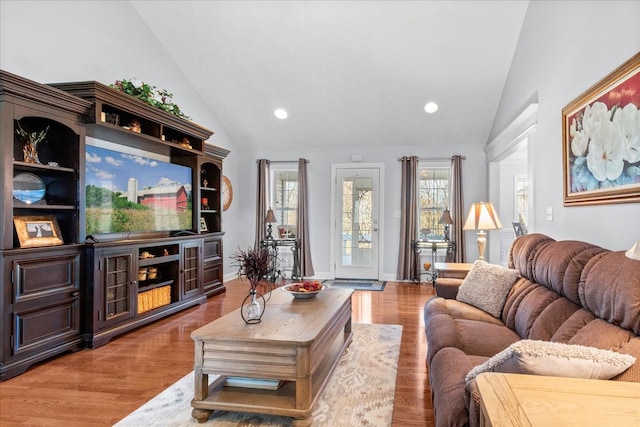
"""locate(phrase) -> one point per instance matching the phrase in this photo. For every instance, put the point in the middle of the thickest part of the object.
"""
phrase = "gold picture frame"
(36, 231)
(601, 140)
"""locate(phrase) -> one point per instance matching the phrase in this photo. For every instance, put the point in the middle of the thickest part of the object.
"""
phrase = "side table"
(535, 400)
(453, 270)
(434, 246)
(273, 245)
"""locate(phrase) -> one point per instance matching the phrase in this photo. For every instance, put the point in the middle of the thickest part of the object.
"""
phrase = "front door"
(357, 222)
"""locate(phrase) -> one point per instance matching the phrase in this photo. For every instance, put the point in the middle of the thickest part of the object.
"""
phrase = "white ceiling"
(348, 72)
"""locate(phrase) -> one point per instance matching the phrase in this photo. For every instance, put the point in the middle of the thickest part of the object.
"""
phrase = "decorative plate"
(28, 188)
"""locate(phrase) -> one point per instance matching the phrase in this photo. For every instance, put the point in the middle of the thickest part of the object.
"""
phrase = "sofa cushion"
(523, 250)
(555, 359)
(486, 287)
(610, 289)
(559, 265)
(457, 310)
(470, 336)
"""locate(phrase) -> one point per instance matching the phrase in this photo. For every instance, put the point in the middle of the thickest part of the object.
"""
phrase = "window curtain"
(408, 217)
(262, 190)
(306, 265)
(457, 208)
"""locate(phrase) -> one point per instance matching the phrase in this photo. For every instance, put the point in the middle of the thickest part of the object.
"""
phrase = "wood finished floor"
(101, 386)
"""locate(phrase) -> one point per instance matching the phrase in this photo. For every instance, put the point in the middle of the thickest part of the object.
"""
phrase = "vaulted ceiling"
(349, 73)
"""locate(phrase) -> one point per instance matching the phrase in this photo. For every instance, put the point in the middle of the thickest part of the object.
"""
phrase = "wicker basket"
(154, 298)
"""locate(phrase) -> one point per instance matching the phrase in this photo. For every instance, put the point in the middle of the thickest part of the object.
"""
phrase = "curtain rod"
(433, 159)
(283, 161)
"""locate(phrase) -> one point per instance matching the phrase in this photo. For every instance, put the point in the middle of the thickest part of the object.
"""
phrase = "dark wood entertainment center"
(87, 290)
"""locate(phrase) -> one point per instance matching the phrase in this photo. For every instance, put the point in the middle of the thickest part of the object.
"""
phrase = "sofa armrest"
(447, 287)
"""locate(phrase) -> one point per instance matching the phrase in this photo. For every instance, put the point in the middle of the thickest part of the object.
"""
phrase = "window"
(284, 199)
(433, 199)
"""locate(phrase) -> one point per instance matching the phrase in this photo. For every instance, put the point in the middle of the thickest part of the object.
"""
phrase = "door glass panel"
(357, 221)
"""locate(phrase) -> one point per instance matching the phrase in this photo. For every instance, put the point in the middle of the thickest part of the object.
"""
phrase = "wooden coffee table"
(298, 341)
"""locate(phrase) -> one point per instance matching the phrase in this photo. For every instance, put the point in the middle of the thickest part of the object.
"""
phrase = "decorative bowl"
(301, 294)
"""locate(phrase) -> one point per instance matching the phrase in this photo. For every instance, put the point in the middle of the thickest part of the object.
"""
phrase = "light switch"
(397, 214)
(549, 213)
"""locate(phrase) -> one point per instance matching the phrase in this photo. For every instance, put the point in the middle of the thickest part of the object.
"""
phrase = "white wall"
(58, 41)
(565, 47)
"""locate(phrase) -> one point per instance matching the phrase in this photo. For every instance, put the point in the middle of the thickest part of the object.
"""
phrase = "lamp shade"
(634, 252)
(445, 218)
(482, 216)
(271, 217)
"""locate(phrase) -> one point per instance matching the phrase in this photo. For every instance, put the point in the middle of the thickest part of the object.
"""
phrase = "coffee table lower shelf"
(271, 402)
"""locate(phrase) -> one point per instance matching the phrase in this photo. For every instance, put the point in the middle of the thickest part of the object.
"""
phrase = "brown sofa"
(568, 291)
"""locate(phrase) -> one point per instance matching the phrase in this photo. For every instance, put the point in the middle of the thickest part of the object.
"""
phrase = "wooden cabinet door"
(191, 270)
(116, 289)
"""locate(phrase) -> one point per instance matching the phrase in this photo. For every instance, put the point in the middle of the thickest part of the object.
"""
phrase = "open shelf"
(19, 165)
(158, 260)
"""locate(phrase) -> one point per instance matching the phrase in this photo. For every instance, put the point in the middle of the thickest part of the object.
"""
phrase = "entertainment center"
(111, 217)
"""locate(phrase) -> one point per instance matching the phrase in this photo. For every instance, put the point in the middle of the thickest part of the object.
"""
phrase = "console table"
(534, 400)
(273, 245)
(434, 245)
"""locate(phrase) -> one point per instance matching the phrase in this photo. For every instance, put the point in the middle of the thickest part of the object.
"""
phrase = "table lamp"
(446, 220)
(634, 252)
(482, 217)
(269, 219)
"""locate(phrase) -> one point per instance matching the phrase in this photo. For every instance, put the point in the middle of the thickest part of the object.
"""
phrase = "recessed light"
(431, 107)
(281, 114)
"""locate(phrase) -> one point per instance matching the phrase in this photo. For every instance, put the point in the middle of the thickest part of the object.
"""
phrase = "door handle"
(75, 294)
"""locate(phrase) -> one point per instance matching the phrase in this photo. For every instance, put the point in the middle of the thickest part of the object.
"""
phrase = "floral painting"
(601, 137)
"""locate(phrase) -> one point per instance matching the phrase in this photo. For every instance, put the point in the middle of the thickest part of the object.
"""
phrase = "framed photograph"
(35, 231)
(601, 140)
(203, 224)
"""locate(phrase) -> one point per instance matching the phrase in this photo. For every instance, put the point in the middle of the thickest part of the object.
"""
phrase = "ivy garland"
(153, 96)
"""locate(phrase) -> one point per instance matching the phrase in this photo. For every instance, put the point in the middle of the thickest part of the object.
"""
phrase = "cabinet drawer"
(43, 328)
(38, 278)
(212, 249)
(212, 274)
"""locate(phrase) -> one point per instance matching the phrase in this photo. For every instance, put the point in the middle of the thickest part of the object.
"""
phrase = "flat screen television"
(132, 191)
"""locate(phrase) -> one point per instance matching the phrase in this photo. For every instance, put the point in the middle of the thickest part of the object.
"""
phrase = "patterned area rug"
(360, 392)
(357, 284)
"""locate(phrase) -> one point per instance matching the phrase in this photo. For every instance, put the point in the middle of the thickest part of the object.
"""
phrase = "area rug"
(360, 392)
(357, 284)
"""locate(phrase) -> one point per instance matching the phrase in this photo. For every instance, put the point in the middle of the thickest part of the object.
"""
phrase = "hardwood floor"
(101, 386)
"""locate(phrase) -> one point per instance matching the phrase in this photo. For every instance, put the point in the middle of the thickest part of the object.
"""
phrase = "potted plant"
(254, 265)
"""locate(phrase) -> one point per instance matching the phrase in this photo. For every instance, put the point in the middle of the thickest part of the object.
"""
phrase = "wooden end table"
(298, 341)
(534, 400)
(453, 270)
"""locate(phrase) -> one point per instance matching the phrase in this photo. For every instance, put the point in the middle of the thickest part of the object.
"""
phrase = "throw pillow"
(486, 287)
(555, 359)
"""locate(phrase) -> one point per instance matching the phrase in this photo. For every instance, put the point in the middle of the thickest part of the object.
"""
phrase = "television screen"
(128, 190)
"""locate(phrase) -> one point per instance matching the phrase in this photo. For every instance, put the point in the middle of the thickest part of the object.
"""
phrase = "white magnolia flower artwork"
(604, 140)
